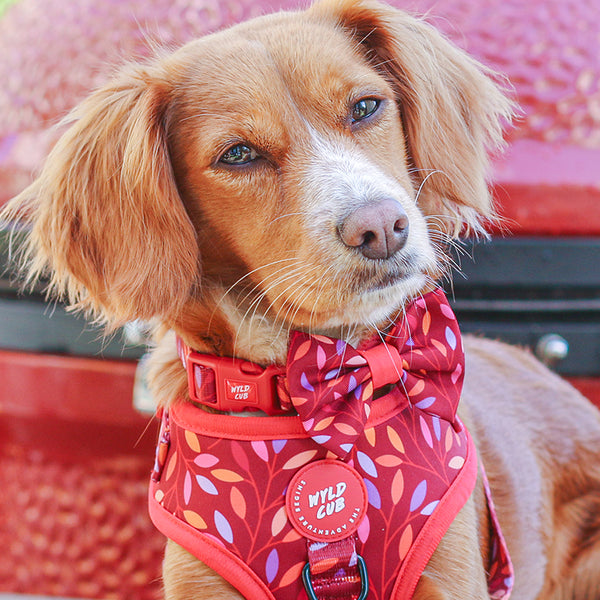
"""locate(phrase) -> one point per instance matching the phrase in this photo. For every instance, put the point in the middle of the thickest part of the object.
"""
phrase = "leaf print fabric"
(238, 502)
(331, 384)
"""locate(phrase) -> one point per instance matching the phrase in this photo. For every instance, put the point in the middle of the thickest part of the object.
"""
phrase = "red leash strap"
(335, 571)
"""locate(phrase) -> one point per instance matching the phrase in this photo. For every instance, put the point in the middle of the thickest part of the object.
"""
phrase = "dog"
(307, 171)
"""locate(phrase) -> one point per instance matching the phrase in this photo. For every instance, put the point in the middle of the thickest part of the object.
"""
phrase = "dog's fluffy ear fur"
(452, 109)
(107, 224)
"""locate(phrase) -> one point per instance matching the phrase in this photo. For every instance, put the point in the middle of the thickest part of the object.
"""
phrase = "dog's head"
(306, 165)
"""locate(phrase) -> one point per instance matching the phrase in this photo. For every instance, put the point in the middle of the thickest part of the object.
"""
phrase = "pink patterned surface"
(548, 182)
(54, 53)
(548, 49)
(75, 526)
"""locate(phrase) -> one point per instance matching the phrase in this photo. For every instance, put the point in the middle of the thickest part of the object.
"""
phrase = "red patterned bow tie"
(331, 384)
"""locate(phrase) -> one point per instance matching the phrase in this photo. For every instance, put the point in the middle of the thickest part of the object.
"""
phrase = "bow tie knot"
(332, 384)
(385, 364)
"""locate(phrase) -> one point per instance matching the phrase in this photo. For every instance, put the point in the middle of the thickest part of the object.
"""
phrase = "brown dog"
(307, 171)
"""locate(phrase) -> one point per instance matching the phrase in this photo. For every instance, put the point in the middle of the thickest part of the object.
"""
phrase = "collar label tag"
(241, 391)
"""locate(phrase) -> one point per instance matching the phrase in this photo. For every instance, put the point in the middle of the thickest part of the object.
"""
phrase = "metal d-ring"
(364, 580)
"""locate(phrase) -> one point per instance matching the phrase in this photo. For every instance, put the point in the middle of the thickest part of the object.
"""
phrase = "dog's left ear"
(453, 112)
(106, 225)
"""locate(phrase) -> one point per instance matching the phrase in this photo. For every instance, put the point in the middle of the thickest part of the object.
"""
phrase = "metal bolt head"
(552, 348)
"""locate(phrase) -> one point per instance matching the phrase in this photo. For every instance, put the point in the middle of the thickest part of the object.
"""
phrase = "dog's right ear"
(107, 225)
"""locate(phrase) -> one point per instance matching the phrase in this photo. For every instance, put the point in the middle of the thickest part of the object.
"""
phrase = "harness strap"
(500, 569)
(335, 571)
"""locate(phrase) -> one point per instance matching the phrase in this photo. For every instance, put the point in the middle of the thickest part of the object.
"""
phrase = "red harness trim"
(212, 554)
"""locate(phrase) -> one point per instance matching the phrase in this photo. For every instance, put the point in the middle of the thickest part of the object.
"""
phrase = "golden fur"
(135, 216)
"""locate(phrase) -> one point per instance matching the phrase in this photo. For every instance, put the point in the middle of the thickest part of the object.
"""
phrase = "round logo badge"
(326, 501)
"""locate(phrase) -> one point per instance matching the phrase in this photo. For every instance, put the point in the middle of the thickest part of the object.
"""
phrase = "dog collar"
(234, 385)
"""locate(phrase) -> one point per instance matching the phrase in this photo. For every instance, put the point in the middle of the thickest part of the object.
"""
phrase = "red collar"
(232, 384)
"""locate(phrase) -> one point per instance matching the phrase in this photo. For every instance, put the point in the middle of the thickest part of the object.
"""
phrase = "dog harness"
(349, 497)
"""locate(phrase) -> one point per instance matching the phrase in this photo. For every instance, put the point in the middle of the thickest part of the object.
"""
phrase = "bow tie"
(332, 384)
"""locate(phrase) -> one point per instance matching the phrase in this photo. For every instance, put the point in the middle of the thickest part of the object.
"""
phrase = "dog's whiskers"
(307, 281)
(308, 289)
(258, 299)
(266, 266)
(318, 295)
(297, 303)
(299, 274)
(272, 281)
(298, 282)
(219, 303)
(269, 278)
(448, 266)
(433, 172)
(292, 214)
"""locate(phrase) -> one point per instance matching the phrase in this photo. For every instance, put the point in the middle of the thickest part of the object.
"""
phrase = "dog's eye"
(364, 108)
(240, 154)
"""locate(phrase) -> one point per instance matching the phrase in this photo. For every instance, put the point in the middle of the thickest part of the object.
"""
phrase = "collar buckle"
(231, 384)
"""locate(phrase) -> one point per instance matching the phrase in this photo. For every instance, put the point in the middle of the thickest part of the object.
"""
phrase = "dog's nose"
(378, 229)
